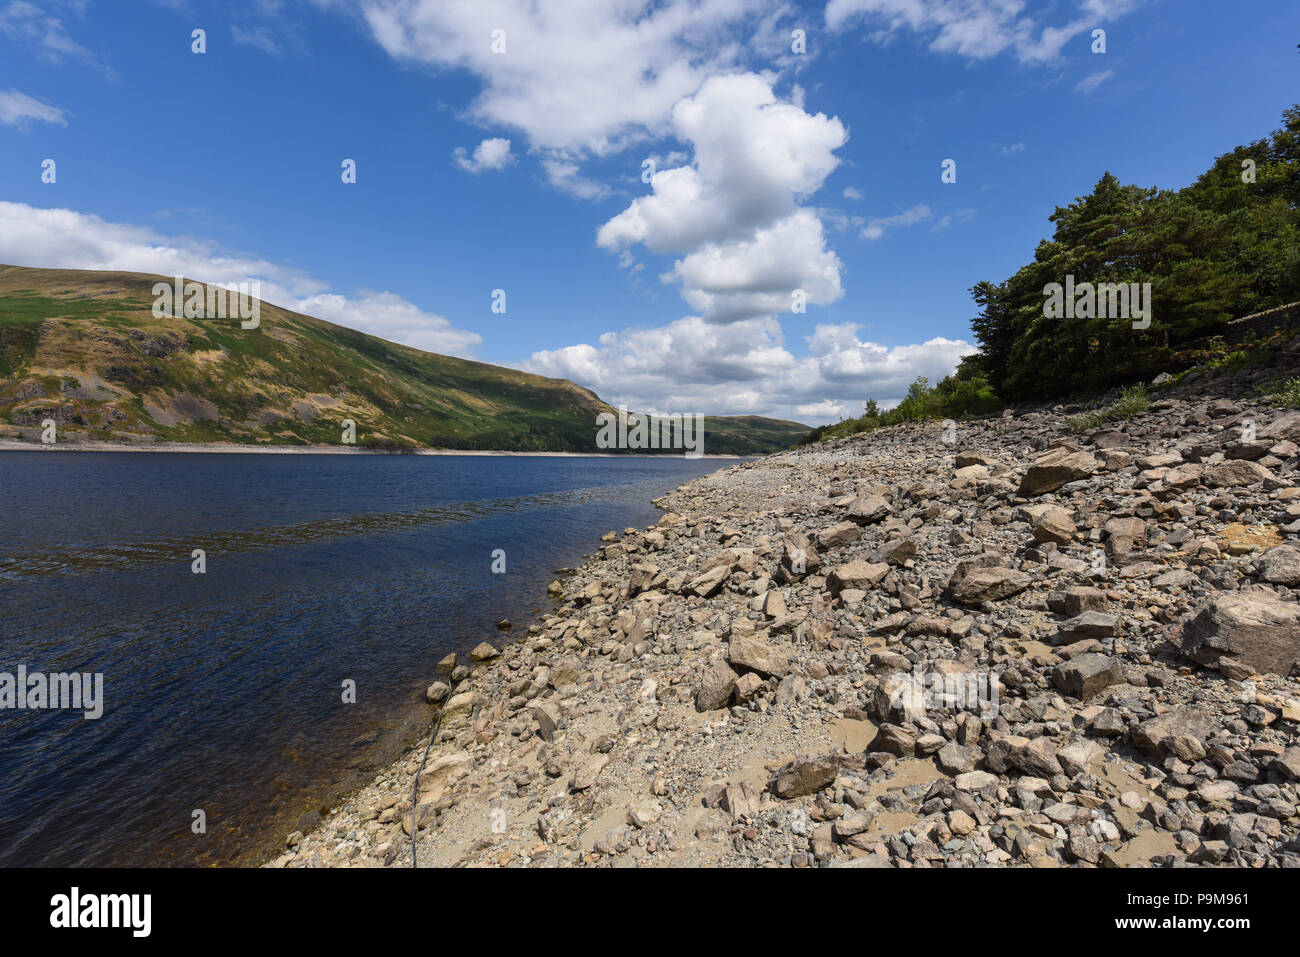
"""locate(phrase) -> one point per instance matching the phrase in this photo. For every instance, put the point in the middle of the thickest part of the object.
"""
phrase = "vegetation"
(1131, 401)
(1221, 248)
(85, 349)
(1225, 247)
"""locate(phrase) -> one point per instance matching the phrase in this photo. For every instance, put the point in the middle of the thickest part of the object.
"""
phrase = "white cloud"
(42, 30)
(852, 192)
(581, 76)
(734, 212)
(744, 368)
(259, 37)
(389, 316)
(66, 239)
(1013, 149)
(976, 29)
(1092, 81)
(875, 228)
(743, 279)
(566, 175)
(16, 109)
(491, 153)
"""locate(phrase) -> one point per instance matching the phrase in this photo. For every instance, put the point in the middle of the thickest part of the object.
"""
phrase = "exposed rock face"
(994, 654)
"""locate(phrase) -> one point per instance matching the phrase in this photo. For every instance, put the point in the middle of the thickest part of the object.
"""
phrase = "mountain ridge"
(83, 347)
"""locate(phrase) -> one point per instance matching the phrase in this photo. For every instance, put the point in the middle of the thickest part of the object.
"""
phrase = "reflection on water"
(222, 691)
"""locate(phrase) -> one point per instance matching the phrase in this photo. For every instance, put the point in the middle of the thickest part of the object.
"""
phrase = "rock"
(1287, 764)
(459, 708)
(1075, 600)
(1086, 675)
(1088, 624)
(1054, 525)
(988, 584)
(1237, 473)
(547, 715)
(843, 533)
(774, 604)
(484, 652)
(709, 583)
(1055, 468)
(1255, 628)
(857, 574)
(748, 686)
(716, 686)
(975, 781)
(643, 578)
(894, 739)
(805, 775)
(741, 801)
(587, 774)
(1078, 757)
(1156, 734)
(437, 693)
(754, 655)
(644, 813)
(957, 759)
(1281, 566)
(447, 664)
(613, 841)
(866, 509)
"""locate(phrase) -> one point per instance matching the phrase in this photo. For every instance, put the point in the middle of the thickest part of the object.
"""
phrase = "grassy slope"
(84, 348)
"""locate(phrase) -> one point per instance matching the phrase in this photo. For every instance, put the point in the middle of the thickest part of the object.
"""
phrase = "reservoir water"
(223, 692)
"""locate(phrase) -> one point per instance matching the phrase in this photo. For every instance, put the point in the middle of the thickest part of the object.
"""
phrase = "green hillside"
(83, 348)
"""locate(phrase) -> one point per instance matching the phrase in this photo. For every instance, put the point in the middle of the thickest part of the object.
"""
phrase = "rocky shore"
(1004, 643)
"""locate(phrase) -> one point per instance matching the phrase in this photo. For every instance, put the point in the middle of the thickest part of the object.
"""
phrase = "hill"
(83, 348)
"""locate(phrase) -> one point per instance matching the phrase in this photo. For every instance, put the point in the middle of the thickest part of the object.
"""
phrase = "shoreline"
(16, 445)
(696, 698)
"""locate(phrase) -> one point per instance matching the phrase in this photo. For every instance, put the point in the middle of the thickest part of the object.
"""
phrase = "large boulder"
(804, 776)
(1245, 631)
(857, 574)
(987, 584)
(868, 508)
(1086, 675)
(1156, 735)
(1055, 468)
(716, 686)
(754, 655)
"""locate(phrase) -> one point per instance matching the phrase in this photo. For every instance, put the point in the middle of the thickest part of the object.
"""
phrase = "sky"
(716, 206)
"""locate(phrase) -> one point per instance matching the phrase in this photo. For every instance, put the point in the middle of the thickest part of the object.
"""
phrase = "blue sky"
(775, 169)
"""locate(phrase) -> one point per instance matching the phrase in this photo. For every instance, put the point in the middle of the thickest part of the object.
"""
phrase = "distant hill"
(84, 348)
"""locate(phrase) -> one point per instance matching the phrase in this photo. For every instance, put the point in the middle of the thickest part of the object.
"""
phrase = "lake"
(223, 692)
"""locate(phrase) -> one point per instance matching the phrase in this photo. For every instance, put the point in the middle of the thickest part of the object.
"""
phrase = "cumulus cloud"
(734, 211)
(17, 109)
(66, 239)
(976, 29)
(852, 192)
(490, 154)
(744, 368)
(582, 76)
